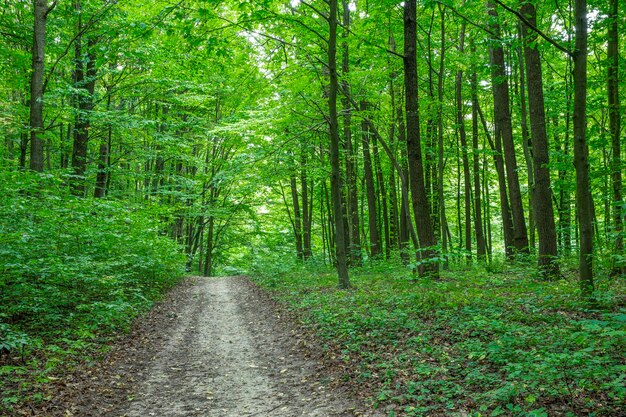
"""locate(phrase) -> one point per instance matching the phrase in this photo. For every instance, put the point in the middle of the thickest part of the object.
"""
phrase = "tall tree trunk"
(421, 207)
(460, 119)
(542, 191)
(442, 220)
(584, 202)
(405, 216)
(341, 262)
(526, 143)
(40, 12)
(503, 122)
(354, 235)
(615, 129)
(369, 185)
(394, 224)
(478, 222)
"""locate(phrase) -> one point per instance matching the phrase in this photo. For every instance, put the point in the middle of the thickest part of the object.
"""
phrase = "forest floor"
(214, 347)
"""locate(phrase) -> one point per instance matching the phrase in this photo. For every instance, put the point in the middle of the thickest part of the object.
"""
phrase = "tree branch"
(535, 28)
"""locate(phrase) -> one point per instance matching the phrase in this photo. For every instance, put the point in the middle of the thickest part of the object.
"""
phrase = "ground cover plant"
(472, 343)
(73, 273)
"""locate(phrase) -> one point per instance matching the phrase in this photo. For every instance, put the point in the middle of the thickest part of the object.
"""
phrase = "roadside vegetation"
(73, 274)
(477, 343)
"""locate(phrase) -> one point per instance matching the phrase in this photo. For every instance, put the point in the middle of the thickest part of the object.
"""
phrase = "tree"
(40, 12)
(340, 235)
(542, 193)
(421, 207)
(584, 200)
(504, 129)
(615, 128)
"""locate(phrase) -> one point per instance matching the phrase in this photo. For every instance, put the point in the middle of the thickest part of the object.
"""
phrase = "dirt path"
(221, 351)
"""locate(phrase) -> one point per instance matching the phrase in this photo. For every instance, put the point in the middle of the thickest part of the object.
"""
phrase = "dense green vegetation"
(475, 342)
(459, 163)
(72, 273)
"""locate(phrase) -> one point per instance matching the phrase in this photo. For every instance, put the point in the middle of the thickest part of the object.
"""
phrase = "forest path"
(220, 350)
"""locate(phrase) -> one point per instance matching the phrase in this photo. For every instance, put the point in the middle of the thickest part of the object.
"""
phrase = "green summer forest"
(432, 188)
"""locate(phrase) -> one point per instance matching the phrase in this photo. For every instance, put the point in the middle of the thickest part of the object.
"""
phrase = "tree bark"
(526, 142)
(297, 219)
(85, 80)
(542, 191)
(341, 261)
(460, 119)
(369, 186)
(440, 216)
(481, 250)
(505, 212)
(40, 11)
(615, 129)
(307, 208)
(504, 125)
(584, 200)
(421, 207)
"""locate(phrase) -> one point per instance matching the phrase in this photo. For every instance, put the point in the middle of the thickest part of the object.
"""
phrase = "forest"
(433, 188)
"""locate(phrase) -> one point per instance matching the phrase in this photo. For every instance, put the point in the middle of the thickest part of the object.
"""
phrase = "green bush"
(73, 269)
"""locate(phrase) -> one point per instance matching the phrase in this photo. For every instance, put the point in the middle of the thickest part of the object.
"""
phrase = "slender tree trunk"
(460, 117)
(440, 217)
(478, 222)
(297, 219)
(208, 256)
(615, 129)
(306, 207)
(369, 185)
(103, 160)
(526, 144)
(40, 12)
(503, 122)
(405, 216)
(421, 207)
(542, 191)
(394, 225)
(382, 193)
(507, 223)
(354, 236)
(84, 83)
(342, 264)
(584, 202)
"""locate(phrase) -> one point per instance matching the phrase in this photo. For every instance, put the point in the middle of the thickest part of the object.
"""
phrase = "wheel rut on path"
(224, 353)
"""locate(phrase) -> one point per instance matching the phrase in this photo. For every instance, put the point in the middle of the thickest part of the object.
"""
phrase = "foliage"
(473, 343)
(72, 272)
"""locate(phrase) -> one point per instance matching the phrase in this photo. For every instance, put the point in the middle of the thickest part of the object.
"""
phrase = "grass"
(470, 344)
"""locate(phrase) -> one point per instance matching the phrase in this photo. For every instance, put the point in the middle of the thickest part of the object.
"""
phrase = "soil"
(216, 347)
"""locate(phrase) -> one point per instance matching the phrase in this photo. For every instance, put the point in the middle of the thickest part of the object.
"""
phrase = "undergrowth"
(473, 343)
(73, 273)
